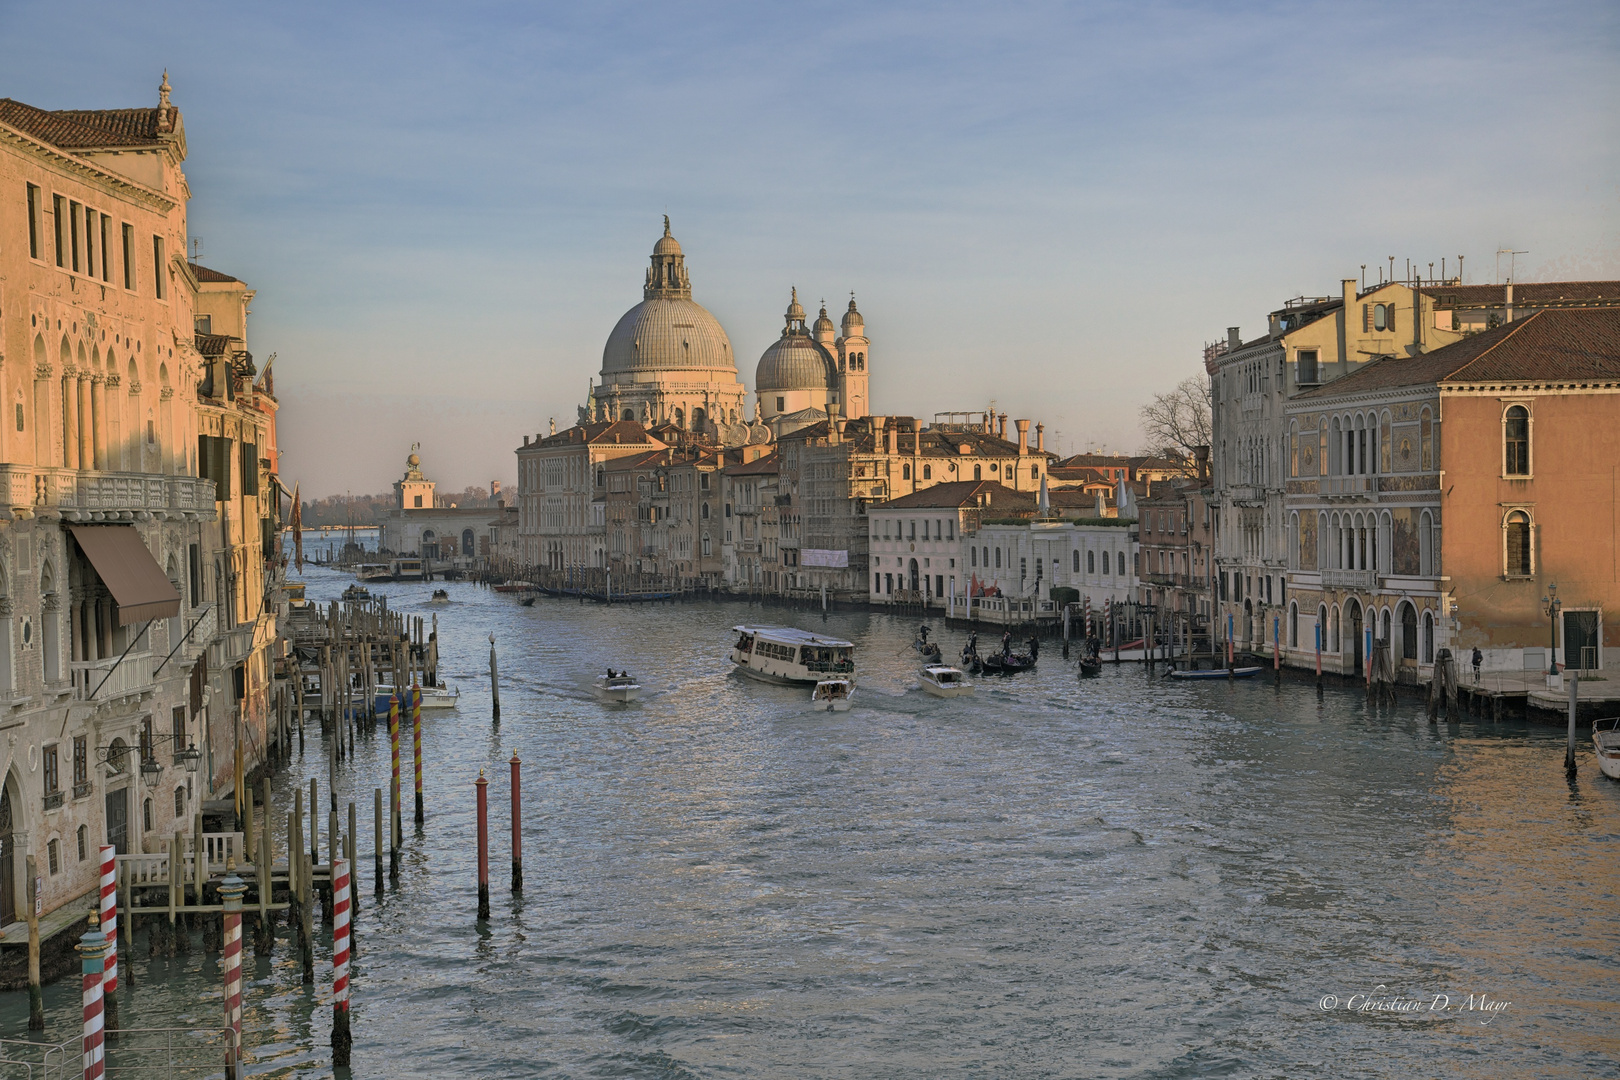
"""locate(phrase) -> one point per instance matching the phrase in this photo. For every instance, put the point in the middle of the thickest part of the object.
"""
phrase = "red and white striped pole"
(483, 845)
(109, 927)
(393, 791)
(416, 740)
(92, 949)
(342, 1040)
(231, 891)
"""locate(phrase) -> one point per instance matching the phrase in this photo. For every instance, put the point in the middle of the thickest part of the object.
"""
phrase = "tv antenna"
(1512, 259)
(196, 247)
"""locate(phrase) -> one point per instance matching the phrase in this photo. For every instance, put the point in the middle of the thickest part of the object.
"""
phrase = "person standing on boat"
(1478, 659)
(1006, 643)
(922, 633)
(1034, 648)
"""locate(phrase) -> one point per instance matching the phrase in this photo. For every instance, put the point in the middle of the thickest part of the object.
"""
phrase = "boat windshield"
(827, 658)
(745, 643)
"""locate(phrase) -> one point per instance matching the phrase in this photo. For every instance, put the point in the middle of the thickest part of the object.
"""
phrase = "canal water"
(1054, 878)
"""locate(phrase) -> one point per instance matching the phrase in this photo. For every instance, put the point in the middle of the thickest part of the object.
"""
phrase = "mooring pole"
(36, 998)
(517, 823)
(1318, 657)
(92, 948)
(341, 1038)
(377, 847)
(416, 744)
(393, 791)
(494, 683)
(482, 786)
(231, 891)
(109, 928)
(1569, 747)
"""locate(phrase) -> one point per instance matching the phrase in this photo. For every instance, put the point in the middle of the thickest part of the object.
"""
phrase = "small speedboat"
(1606, 742)
(356, 592)
(944, 681)
(1218, 673)
(440, 596)
(832, 695)
(618, 686)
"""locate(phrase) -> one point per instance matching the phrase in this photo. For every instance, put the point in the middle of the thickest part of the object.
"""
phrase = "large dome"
(666, 333)
(795, 362)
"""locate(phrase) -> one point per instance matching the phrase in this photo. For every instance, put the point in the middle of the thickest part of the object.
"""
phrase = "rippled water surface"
(1119, 877)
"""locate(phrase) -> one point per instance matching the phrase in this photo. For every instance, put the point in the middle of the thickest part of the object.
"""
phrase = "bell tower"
(853, 392)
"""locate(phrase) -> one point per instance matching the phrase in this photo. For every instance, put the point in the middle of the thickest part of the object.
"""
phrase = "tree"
(1175, 422)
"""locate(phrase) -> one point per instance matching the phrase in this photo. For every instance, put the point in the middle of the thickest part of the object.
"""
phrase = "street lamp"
(189, 757)
(151, 771)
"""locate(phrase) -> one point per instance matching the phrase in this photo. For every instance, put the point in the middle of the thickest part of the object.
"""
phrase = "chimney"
(1201, 455)
(525, 440)
(1002, 421)
(1234, 340)
(1349, 289)
(1040, 438)
(888, 439)
(1023, 437)
(835, 427)
(1509, 301)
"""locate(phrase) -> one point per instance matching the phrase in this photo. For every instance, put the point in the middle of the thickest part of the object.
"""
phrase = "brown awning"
(133, 577)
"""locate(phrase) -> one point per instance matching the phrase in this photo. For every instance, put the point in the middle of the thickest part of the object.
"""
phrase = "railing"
(219, 849)
(96, 491)
(1348, 485)
(1365, 580)
(104, 680)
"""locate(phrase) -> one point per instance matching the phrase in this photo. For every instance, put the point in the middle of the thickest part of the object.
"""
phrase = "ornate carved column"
(87, 446)
(70, 421)
(98, 423)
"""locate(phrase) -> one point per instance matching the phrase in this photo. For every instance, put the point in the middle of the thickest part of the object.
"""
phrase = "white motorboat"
(833, 695)
(433, 697)
(440, 596)
(944, 681)
(620, 686)
(1606, 742)
(786, 654)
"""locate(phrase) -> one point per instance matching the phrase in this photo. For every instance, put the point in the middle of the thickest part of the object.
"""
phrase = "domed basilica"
(669, 361)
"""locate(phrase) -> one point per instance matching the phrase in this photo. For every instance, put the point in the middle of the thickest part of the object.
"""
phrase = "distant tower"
(852, 374)
(414, 490)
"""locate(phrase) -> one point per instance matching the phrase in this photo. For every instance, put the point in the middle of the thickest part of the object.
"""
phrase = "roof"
(214, 344)
(861, 436)
(958, 494)
(603, 431)
(1563, 344)
(202, 273)
(791, 635)
(768, 465)
(83, 129)
(1525, 294)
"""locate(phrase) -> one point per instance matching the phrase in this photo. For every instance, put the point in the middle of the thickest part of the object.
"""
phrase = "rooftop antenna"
(196, 247)
(1512, 257)
(1392, 268)
(1459, 270)
(1363, 277)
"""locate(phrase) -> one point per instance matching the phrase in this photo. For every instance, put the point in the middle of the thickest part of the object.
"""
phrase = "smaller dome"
(823, 324)
(795, 362)
(795, 313)
(667, 244)
(852, 318)
(413, 461)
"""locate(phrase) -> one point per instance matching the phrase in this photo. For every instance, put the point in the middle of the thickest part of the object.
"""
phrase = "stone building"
(917, 541)
(562, 491)
(1433, 502)
(807, 374)
(1175, 530)
(751, 551)
(139, 500)
(441, 533)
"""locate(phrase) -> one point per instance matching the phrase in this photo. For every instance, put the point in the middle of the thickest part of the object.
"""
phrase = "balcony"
(108, 680)
(102, 496)
(1363, 580)
(1348, 485)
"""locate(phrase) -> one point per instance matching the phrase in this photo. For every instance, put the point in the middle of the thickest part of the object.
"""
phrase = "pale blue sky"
(446, 207)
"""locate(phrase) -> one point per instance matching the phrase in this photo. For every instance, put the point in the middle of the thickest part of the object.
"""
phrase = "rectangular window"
(33, 221)
(106, 262)
(250, 468)
(147, 741)
(157, 267)
(73, 232)
(53, 775)
(179, 720)
(90, 241)
(129, 256)
(1306, 372)
(194, 560)
(58, 212)
(203, 324)
(53, 852)
(81, 761)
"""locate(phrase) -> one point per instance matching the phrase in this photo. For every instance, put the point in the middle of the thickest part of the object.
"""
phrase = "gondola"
(1090, 667)
(1007, 663)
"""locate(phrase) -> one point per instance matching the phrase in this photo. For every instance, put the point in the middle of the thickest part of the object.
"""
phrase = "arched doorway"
(1409, 634)
(1352, 611)
(466, 541)
(8, 859)
(117, 800)
(1248, 624)
(430, 544)
(913, 575)
(698, 417)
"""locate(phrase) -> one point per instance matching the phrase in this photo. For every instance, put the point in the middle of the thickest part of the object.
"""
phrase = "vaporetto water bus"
(788, 655)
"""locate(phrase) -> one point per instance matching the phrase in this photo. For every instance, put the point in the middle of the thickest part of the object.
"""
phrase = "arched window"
(905, 472)
(1076, 554)
(1321, 626)
(1409, 632)
(928, 472)
(1517, 544)
(1426, 544)
(1293, 625)
(1427, 656)
(1122, 564)
(629, 414)
(1091, 562)
(601, 477)
(180, 802)
(998, 558)
(978, 472)
(703, 511)
(1515, 441)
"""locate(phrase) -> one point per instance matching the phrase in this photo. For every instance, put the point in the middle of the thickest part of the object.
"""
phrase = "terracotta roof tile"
(202, 273)
(75, 129)
(960, 493)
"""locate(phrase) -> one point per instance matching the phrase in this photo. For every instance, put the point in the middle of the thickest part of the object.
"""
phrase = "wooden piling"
(306, 917)
(416, 743)
(482, 786)
(494, 683)
(377, 848)
(517, 823)
(36, 998)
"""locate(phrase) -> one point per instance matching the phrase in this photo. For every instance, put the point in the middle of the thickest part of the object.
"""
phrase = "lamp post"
(1552, 606)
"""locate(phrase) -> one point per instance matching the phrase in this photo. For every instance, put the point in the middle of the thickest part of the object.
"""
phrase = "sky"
(444, 208)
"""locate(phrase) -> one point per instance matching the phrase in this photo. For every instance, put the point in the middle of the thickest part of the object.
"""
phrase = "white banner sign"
(837, 560)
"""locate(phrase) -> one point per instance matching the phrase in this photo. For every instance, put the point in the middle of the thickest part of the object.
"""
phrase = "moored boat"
(788, 655)
(357, 592)
(374, 572)
(941, 680)
(833, 695)
(1007, 663)
(618, 686)
(1606, 743)
(1090, 667)
(1218, 673)
(433, 697)
(513, 586)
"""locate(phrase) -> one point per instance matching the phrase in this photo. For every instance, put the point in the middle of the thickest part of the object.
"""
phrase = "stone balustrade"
(103, 496)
